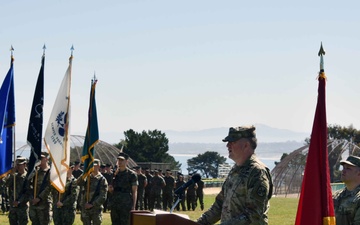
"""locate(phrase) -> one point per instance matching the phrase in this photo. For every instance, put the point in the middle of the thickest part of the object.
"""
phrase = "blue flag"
(34, 135)
(92, 134)
(7, 122)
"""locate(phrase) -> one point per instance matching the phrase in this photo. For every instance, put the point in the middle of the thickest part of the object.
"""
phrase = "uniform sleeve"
(357, 216)
(212, 215)
(134, 180)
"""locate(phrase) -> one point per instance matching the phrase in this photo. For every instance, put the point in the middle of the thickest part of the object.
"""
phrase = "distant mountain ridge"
(264, 133)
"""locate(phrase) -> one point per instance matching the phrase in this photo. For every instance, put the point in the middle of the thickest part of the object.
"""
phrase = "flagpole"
(13, 130)
(67, 117)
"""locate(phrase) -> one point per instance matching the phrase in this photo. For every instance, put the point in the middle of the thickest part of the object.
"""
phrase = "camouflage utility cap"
(352, 161)
(236, 133)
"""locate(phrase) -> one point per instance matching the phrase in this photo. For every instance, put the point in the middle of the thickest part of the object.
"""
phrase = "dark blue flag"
(7, 122)
(34, 135)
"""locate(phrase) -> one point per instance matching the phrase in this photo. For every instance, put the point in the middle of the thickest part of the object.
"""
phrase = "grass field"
(282, 212)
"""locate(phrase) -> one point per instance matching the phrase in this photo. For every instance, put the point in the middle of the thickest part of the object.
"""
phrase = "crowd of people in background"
(117, 190)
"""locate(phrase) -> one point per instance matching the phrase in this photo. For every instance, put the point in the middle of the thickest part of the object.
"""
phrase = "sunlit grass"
(282, 212)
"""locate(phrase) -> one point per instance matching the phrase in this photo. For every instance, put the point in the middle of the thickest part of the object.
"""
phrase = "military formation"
(32, 198)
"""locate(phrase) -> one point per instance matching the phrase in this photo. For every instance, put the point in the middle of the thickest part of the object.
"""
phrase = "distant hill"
(272, 151)
(265, 134)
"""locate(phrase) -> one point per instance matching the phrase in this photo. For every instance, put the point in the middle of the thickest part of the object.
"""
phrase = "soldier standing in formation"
(64, 205)
(41, 203)
(77, 172)
(200, 193)
(18, 214)
(191, 195)
(147, 189)
(157, 183)
(94, 196)
(123, 192)
(141, 188)
(181, 196)
(108, 176)
(4, 198)
(168, 194)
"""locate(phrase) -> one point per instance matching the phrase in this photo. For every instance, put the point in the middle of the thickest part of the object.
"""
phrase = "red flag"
(315, 204)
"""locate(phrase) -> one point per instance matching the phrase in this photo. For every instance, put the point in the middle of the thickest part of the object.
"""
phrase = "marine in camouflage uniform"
(40, 212)
(64, 209)
(157, 183)
(347, 200)
(77, 172)
(93, 200)
(108, 176)
(4, 199)
(123, 192)
(244, 197)
(19, 209)
(142, 180)
(200, 193)
(191, 195)
(147, 189)
(180, 182)
(168, 191)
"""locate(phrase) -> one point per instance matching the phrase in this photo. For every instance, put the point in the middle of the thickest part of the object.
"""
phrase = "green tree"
(150, 146)
(207, 163)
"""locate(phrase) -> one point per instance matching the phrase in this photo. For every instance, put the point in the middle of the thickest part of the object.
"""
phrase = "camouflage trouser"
(41, 215)
(18, 215)
(200, 197)
(64, 215)
(140, 199)
(147, 199)
(182, 203)
(155, 201)
(120, 209)
(168, 200)
(91, 216)
(191, 202)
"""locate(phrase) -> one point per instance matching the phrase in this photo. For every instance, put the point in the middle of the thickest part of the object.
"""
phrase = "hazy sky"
(186, 65)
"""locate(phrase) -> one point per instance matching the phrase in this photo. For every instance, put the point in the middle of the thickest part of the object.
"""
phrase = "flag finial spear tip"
(44, 48)
(94, 79)
(321, 51)
(72, 49)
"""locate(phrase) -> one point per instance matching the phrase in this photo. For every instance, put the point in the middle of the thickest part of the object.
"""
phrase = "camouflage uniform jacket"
(141, 179)
(97, 191)
(69, 197)
(244, 197)
(43, 187)
(347, 206)
(157, 183)
(20, 189)
(170, 184)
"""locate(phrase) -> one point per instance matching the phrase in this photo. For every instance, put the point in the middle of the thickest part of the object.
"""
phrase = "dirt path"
(212, 190)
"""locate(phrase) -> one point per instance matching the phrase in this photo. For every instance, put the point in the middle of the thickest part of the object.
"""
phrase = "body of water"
(182, 158)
